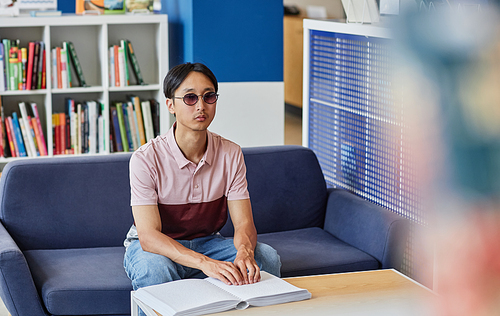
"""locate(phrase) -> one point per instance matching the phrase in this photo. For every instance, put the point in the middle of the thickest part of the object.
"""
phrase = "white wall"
(251, 113)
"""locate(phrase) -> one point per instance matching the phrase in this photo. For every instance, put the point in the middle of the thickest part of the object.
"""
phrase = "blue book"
(127, 129)
(19, 135)
(116, 128)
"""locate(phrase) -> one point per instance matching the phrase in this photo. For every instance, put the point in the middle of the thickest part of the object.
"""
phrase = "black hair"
(177, 74)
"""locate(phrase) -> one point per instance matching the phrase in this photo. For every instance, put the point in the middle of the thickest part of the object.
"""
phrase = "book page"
(185, 295)
(273, 289)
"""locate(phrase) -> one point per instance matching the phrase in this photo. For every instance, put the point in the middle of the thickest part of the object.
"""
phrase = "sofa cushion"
(67, 202)
(287, 189)
(86, 281)
(311, 251)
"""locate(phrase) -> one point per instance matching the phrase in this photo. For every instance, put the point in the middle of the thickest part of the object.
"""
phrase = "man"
(182, 184)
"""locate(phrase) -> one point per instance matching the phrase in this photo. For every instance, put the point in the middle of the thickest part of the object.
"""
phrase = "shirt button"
(196, 186)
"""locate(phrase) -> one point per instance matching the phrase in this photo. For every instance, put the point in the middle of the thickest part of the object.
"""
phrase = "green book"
(123, 44)
(76, 64)
(121, 123)
(135, 63)
(6, 46)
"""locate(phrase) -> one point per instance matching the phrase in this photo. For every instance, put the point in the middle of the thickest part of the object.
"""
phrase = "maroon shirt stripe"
(193, 220)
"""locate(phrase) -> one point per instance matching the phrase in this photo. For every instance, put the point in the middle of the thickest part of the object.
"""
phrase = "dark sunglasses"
(192, 99)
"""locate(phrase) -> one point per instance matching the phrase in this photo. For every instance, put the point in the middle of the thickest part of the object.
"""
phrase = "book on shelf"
(122, 61)
(40, 138)
(76, 129)
(2, 68)
(134, 123)
(63, 60)
(121, 124)
(123, 46)
(18, 136)
(6, 48)
(27, 132)
(135, 63)
(115, 131)
(155, 115)
(206, 296)
(148, 120)
(140, 122)
(76, 64)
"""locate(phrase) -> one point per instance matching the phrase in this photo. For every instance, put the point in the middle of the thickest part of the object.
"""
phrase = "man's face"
(195, 117)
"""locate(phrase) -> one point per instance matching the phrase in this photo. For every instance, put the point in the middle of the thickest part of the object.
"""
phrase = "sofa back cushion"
(287, 189)
(67, 202)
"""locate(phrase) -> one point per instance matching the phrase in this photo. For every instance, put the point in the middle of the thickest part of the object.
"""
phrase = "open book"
(205, 296)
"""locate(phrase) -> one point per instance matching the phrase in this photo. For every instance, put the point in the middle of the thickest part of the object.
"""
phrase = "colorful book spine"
(24, 60)
(123, 45)
(117, 67)
(121, 67)
(18, 135)
(58, 62)
(68, 63)
(116, 129)
(41, 141)
(11, 138)
(13, 65)
(148, 122)
(64, 69)
(41, 60)
(36, 61)
(111, 67)
(76, 64)
(6, 47)
(2, 68)
(44, 70)
(140, 121)
(135, 63)
(121, 122)
(28, 137)
(29, 70)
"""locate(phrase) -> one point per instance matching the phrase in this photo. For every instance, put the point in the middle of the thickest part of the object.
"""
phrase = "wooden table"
(377, 292)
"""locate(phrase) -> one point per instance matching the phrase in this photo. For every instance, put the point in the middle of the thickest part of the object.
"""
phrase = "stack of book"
(22, 68)
(62, 59)
(121, 59)
(22, 135)
(80, 129)
(133, 123)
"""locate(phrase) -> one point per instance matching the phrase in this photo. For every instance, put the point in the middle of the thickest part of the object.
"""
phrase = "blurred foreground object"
(455, 53)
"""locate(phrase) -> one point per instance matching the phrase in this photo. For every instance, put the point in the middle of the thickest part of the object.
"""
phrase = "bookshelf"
(91, 36)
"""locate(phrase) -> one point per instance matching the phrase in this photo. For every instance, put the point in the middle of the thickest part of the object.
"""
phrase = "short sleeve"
(238, 190)
(143, 188)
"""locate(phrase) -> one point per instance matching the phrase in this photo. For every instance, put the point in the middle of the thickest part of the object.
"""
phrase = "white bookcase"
(91, 36)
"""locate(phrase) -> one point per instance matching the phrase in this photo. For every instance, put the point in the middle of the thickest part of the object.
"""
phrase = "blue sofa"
(63, 221)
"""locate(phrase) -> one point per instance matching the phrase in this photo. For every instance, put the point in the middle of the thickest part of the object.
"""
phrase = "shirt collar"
(179, 157)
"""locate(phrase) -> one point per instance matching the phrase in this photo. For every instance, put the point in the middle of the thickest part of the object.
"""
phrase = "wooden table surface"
(377, 292)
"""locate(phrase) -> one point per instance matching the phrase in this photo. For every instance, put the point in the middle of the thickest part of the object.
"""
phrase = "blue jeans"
(146, 268)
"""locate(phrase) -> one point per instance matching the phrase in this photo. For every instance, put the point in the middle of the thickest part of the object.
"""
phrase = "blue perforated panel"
(357, 121)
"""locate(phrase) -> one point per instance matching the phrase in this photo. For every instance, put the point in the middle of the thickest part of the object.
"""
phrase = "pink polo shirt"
(192, 199)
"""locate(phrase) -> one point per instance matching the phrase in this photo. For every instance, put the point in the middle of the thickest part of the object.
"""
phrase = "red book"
(12, 138)
(62, 132)
(31, 53)
(117, 69)
(44, 84)
(59, 76)
(41, 141)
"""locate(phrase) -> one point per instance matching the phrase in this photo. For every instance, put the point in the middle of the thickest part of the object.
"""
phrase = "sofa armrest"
(17, 288)
(367, 226)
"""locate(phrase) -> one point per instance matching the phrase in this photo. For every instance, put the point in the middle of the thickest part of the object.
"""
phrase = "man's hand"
(247, 266)
(225, 271)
